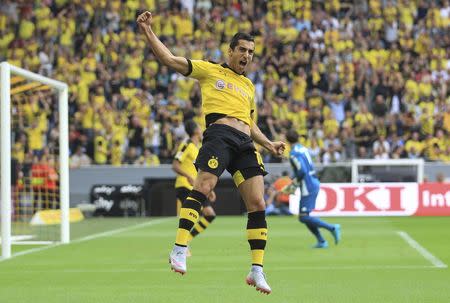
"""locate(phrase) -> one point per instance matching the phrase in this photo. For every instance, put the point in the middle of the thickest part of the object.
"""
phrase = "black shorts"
(182, 193)
(224, 147)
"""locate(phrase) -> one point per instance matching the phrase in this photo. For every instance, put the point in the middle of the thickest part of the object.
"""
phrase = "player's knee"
(205, 183)
(256, 205)
(205, 187)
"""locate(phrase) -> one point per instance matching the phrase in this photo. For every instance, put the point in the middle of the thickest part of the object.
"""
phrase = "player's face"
(241, 55)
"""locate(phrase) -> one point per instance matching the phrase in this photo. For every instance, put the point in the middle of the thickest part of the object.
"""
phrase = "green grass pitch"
(126, 260)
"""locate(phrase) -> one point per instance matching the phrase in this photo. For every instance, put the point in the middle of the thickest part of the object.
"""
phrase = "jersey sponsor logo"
(213, 162)
(220, 84)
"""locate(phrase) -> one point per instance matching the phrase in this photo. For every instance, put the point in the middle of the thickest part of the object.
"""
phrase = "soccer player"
(306, 178)
(183, 165)
(228, 104)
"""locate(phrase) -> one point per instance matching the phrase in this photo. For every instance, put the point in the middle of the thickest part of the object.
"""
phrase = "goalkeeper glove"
(291, 188)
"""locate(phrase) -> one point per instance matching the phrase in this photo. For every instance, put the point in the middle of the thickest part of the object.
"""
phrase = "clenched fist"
(144, 19)
(277, 148)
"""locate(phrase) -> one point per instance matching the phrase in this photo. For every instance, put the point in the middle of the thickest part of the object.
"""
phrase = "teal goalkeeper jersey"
(304, 170)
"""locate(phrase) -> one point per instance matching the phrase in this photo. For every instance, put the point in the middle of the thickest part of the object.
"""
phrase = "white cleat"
(177, 260)
(258, 280)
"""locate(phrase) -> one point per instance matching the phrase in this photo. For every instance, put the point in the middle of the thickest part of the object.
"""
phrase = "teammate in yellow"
(229, 105)
(183, 165)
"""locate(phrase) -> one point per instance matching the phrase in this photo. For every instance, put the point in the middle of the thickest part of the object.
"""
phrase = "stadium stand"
(354, 78)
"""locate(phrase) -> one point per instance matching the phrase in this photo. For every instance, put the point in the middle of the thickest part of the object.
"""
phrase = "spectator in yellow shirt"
(148, 158)
(414, 145)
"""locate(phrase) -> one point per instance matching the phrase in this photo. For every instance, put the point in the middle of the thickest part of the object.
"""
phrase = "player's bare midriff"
(235, 123)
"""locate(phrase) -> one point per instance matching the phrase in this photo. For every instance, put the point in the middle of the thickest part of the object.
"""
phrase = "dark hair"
(292, 136)
(190, 126)
(240, 36)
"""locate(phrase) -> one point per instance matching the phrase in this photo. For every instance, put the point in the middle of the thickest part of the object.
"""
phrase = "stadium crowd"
(366, 79)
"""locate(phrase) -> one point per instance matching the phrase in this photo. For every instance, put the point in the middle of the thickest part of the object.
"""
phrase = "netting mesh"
(34, 162)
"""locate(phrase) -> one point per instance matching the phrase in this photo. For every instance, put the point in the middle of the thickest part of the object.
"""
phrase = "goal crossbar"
(6, 70)
(388, 162)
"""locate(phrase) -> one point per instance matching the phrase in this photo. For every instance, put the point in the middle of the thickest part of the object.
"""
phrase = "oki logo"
(434, 199)
(354, 194)
(375, 199)
(379, 199)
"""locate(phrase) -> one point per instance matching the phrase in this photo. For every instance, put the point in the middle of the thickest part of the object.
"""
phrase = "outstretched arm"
(276, 148)
(161, 52)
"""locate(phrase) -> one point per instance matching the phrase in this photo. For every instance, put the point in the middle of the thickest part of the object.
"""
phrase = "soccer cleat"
(323, 244)
(177, 260)
(258, 279)
(337, 233)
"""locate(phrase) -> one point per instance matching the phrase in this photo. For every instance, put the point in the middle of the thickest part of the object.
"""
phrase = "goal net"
(34, 160)
(387, 170)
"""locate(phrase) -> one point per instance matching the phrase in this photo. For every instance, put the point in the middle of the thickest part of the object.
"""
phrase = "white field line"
(91, 237)
(222, 269)
(421, 250)
(33, 243)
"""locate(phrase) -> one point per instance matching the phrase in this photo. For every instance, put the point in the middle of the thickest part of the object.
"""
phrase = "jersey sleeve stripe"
(184, 147)
(189, 67)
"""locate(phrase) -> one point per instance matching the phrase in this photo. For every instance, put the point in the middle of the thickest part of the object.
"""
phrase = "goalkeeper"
(305, 177)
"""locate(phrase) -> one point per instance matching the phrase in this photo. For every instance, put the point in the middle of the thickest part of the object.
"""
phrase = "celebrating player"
(228, 104)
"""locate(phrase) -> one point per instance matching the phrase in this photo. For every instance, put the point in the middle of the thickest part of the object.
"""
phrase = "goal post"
(389, 163)
(6, 70)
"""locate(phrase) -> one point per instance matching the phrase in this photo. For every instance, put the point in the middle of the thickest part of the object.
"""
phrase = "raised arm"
(161, 52)
(276, 148)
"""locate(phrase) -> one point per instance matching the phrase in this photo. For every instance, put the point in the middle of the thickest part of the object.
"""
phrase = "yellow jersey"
(35, 138)
(116, 155)
(186, 154)
(224, 92)
(184, 88)
(417, 145)
(100, 150)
